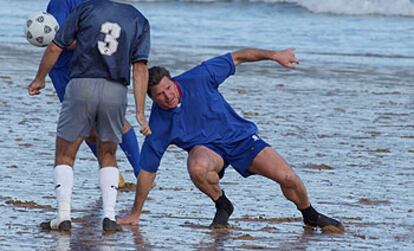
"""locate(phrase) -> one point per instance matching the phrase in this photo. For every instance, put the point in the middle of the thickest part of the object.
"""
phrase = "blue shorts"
(240, 154)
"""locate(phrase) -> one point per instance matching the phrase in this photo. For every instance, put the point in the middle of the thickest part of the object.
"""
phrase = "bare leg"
(204, 166)
(270, 164)
(107, 154)
(66, 151)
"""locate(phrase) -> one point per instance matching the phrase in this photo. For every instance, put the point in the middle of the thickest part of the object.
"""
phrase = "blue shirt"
(110, 36)
(61, 9)
(204, 116)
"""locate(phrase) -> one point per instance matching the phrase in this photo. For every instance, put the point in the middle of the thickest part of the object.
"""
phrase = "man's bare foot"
(128, 219)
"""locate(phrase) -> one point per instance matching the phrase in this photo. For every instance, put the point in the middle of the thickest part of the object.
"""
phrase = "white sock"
(63, 177)
(108, 181)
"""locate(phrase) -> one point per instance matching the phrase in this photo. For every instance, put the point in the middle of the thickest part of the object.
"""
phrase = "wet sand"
(356, 163)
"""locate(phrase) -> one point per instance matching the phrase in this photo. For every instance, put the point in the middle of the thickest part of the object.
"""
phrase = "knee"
(105, 152)
(290, 180)
(64, 160)
(198, 171)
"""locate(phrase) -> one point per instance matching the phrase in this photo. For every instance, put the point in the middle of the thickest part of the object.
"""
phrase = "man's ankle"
(310, 215)
(224, 203)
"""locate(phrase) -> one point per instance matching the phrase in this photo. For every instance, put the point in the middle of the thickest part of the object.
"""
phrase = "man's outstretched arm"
(285, 58)
(145, 182)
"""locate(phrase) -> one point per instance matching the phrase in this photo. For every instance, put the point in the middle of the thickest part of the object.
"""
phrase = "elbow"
(140, 67)
(236, 57)
(53, 48)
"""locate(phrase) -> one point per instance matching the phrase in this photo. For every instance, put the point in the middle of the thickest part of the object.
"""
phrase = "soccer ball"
(40, 29)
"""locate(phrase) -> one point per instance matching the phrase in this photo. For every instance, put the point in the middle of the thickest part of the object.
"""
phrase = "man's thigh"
(270, 164)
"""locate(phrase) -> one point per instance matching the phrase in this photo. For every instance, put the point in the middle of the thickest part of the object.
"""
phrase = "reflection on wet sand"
(216, 241)
(87, 234)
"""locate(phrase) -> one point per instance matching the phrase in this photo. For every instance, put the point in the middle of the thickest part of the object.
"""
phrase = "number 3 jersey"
(109, 37)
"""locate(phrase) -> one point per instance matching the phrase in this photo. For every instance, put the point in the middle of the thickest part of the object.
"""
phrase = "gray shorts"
(93, 103)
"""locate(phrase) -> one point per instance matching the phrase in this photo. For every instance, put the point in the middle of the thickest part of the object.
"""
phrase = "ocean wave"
(357, 7)
(338, 7)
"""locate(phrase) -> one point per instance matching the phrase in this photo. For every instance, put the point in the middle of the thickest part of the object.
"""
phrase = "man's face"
(165, 94)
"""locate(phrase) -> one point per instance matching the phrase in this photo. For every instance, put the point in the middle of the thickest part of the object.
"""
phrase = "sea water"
(343, 119)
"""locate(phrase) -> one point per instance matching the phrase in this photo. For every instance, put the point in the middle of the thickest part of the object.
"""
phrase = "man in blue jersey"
(60, 76)
(190, 112)
(110, 36)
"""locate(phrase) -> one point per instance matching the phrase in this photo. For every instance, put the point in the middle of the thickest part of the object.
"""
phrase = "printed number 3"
(112, 31)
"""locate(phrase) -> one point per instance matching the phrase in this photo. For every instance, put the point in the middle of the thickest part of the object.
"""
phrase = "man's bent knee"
(197, 173)
(289, 180)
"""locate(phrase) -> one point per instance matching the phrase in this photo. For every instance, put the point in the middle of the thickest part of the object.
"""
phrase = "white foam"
(360, 7)
(354, 7)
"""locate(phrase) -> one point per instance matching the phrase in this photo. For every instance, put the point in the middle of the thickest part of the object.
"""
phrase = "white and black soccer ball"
(40, 28)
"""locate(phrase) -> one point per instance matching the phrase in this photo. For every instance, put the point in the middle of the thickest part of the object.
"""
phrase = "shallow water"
(343, 119)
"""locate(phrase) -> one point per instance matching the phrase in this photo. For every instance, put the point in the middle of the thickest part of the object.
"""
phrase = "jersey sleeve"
(142, 44)
(58, 10)
(67, 33)
(151, 155)
(219, 68)
(211, 72)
